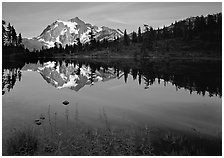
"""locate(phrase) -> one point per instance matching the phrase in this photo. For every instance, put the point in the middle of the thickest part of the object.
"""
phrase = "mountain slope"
(32, 44)
(67, 32)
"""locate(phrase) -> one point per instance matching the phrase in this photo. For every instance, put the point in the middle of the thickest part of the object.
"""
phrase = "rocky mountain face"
(67, 32)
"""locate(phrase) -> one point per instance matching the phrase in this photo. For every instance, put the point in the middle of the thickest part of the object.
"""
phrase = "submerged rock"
(42, 117)
(65, 102)
(38, 122)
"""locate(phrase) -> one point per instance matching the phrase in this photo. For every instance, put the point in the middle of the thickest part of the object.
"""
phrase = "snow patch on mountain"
(71, 82)
(56, 25)
(71, 25)
(57, 40)
(85, 36)
(99, 29)
(50, 64)
(49, 44)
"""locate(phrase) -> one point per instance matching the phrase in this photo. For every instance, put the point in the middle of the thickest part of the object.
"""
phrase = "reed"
(127, 141)
(76, 115)
(107, 123)
(49, 119)
(67, 117)
(22, 143)
(55, 122)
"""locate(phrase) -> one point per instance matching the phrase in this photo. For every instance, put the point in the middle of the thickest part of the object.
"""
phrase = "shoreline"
(138, 58)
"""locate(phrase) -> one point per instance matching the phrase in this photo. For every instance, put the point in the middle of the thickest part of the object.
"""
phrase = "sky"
(31, 18)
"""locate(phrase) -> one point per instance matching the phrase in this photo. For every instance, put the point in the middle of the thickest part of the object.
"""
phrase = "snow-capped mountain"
(67, 32)
(72, 76)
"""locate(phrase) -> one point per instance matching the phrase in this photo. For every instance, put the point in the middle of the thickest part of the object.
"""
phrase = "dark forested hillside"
(192, 34)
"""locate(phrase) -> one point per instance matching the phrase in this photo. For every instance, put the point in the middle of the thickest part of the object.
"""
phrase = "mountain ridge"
(67, 33)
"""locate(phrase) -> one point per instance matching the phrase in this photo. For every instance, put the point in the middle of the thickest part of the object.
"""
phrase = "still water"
(182, 95)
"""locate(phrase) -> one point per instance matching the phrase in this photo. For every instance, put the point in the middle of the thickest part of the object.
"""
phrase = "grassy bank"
(44, 137)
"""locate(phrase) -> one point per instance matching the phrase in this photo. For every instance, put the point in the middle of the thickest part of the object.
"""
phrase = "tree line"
(204, 29)
(11, 42)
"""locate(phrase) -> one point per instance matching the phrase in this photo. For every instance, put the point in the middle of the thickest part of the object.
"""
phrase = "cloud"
(116, 21)
(31, 18)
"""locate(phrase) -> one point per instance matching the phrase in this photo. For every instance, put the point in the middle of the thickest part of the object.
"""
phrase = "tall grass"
(80, 140)
(76, 115)
(67, 117)
(49, 118)
(55, 122)
(23, 143)
(107, 123)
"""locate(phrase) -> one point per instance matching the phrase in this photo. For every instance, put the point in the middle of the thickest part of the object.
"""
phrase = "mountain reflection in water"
(199, 76)
(73, 76)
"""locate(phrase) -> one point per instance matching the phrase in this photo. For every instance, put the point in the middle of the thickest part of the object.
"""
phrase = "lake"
(172, 95)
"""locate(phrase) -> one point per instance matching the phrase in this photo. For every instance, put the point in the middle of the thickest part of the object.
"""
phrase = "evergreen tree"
(175, 32)
(202, 27)
(219, 26)
(9, 33)
(92, 40)
(219, 19)
(60, 48)
(196, 26)
(165, 32)
(126, 38)
(146, 27)
(74, 48)
(152, 34)
(139, 35)
(14, 36)
(55, 49)
(158, 34)
(3, 33)
(105, 43)
(134, 37)
(190, 28)
(19, 39)
(211, 22)
(148, 38)
(79, 44)
(98, 44)
(67, 49)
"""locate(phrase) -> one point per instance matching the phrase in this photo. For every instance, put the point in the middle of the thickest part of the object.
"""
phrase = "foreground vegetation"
(45, 138)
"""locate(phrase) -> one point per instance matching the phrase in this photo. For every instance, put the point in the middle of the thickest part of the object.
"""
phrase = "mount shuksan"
(67, 32)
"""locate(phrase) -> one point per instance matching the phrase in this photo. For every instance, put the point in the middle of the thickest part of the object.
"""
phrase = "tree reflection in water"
(9, 78)
(200, 76)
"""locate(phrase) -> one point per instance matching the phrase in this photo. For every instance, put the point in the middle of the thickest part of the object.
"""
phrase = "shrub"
(22, 143)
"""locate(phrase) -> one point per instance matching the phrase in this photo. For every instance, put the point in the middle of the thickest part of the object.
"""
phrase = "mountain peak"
(66, 33)
(76, 19)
